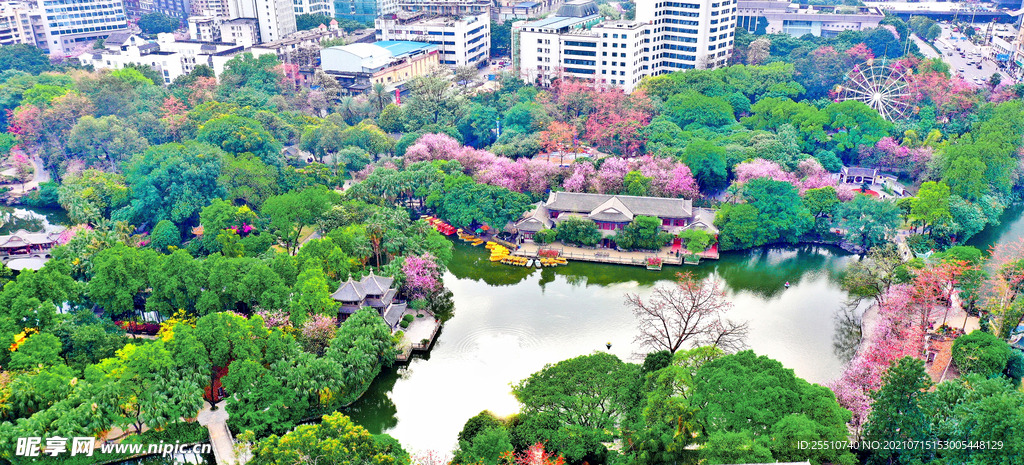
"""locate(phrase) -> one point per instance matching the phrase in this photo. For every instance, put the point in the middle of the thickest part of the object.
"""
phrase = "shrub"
(981, 353)
(544, 236)
(404, 324)
(408, 317)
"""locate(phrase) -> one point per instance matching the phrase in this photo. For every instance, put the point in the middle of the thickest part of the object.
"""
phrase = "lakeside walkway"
(421, 329)
(668, 257)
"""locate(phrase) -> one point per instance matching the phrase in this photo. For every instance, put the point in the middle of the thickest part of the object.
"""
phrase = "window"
(539, 41)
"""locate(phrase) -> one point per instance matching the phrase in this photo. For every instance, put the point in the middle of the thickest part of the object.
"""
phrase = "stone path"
(220, 436)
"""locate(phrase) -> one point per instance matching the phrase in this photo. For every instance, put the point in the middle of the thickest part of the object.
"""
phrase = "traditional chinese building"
(612, 213)
(27, 250)
(371, 291)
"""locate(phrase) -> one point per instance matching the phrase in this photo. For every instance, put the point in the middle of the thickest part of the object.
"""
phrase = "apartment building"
(276, 18)
(665, 37)
(15, 25)
(445, 7)
(461, 40)
(73, 24)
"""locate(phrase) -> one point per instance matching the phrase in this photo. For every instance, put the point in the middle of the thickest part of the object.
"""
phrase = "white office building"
(665, 37)
(73, 24)
(276, 18)
(461, 41)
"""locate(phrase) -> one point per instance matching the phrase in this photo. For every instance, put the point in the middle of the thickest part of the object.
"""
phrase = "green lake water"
(509, 322)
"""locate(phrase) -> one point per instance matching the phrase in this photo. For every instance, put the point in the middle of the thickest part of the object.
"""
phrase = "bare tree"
(689, 312)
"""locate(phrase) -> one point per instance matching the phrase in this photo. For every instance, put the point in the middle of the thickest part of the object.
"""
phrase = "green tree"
(781, 216)
(636, 184)
(897, 414)
(24, 57)
(575, 230)
(293, 211)
(177, 282)
(105, 141)
(748, 399)
(311, 295)
(821, 202)
(868, 222)
(334, 440)
(707, 162)
(738, 225)
(699, 110)
(697, 240)
(931, 203)
(490, 445)
(644, 232)
(164, 236)
(980, 352)
(92, 195)
(120, 276)
(157, 22)
(390, 119)
(260, 74)
(305, 22)
(589, 391)
(39, 349)
(235, 134)
(173, 182)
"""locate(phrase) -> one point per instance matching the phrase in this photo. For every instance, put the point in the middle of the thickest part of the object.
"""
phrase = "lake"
(509, 322)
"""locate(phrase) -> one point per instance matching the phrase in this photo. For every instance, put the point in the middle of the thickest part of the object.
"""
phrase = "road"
(956, 63)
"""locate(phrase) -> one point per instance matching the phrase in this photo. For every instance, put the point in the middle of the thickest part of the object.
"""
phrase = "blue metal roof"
(402, 47)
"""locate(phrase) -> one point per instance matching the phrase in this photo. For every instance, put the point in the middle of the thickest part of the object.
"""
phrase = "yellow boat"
(476, 242)
(495, 258)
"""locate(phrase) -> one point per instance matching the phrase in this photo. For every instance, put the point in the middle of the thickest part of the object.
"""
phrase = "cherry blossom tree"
(813, 176)
(431, 147)
(317, 332)
(274, 318)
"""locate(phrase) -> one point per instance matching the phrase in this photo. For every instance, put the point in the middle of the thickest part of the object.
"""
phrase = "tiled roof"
(376, 285)
(394, 314)
(535, 220)
(637, 206)
(612, 210)
(22, 238)
(858, 171)
(349, 291)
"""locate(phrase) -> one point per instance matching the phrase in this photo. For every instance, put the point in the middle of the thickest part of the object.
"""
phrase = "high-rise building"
(314, 7)
(71, 24)
(364, 11)
(174, 8)
(14, 29)
(461, 40)
(665, 37)
(445, 7)
(689, 35)
(276, 18)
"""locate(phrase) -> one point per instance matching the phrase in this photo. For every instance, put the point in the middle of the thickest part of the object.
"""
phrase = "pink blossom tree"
(610, 175)
(761, 168)
(317, 332)
(579, 180)
(812, 175)
(431, 147)
(274, 318)
(422, 275)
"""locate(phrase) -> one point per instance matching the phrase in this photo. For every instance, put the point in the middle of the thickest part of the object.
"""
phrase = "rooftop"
(578, 9)
(621, 207)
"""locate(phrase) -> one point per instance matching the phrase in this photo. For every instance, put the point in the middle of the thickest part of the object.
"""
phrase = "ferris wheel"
(880, 86)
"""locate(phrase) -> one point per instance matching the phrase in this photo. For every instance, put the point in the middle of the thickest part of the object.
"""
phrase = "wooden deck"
(408, 350)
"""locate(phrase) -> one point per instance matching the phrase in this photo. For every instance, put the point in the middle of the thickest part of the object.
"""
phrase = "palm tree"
(380, 96)
(347, 107)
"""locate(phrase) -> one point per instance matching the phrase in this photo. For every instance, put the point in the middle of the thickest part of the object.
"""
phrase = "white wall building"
(169, 57)
(796, 20)
(461, 41)
(665, 37)
(276, 18)
(15, 25)
(204, 28)
(71, 24)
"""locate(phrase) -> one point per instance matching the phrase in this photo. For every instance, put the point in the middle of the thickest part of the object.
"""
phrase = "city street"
(952, 56)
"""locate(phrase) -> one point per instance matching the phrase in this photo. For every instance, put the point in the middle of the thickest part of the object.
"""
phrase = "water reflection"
(31, 220)
(509, 322)
(848, 333)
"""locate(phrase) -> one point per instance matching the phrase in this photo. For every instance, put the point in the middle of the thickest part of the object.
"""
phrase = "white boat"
(539, 264)
(529, 263)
